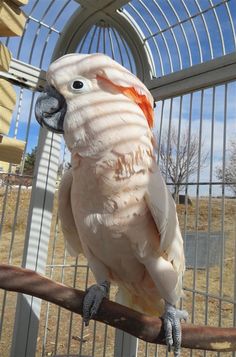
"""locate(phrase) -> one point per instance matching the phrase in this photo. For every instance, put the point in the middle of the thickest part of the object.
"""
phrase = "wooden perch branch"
(145, 327)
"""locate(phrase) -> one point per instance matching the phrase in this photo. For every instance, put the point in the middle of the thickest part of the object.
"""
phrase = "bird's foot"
(172, 327)
(92, 300)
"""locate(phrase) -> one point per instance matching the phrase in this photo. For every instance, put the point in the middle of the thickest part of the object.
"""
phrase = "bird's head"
(81, 87)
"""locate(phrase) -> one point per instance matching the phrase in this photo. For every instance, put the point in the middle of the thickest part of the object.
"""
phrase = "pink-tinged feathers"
(114, 200)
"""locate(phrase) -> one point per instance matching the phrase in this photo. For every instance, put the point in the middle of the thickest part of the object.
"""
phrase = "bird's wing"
(163, 210)
(71, 236)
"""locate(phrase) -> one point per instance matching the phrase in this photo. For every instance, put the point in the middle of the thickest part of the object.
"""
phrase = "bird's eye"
(77, 85)
(80, 85)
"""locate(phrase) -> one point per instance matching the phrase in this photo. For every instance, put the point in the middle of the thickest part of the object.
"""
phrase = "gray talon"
(172, 327)
(92, 300)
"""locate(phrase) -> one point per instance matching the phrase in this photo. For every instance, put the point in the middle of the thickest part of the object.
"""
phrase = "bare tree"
(228, 175)
(179, 157)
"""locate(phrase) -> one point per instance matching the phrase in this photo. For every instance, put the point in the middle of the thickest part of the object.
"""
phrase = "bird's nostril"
(53, 109)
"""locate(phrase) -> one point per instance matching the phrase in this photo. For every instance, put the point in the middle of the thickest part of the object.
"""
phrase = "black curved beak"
(50, 110)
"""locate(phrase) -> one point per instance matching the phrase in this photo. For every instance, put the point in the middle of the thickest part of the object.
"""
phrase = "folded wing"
(163, 209)
(71, 236)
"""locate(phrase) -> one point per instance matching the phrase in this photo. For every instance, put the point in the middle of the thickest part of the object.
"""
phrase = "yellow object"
(11, 150)
(4, 166)
(7, 95)
(5, 120)
(5, 58)
(20, 2)
(12, 19)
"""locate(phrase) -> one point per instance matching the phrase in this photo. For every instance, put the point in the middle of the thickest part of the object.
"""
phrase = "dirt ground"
(61, 333)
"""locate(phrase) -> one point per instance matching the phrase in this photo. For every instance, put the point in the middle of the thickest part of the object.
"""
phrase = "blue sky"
(218, 119)
(37, 44)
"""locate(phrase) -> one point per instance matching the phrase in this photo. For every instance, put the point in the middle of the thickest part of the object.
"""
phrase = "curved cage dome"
(152, 38)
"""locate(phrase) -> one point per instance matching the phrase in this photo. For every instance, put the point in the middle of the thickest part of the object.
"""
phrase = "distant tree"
(179, 157)
(63, 167)
(67, 165)
(229, 174)
(60, 170)
(30, 162)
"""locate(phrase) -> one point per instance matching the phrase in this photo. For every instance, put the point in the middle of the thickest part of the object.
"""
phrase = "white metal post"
(36, 243)
(125, 345)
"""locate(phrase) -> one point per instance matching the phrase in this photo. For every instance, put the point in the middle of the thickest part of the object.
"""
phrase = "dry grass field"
(203, 286)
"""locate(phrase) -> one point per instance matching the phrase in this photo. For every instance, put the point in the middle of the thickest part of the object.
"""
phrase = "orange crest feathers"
(140, 99)
(142, 102)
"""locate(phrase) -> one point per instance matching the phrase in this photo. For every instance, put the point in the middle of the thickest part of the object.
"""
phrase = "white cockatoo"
(114, 205)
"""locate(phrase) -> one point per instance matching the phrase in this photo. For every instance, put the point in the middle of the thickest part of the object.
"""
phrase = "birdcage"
(184, 51)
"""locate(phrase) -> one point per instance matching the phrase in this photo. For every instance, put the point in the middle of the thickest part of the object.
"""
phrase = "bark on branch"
(145, 327)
